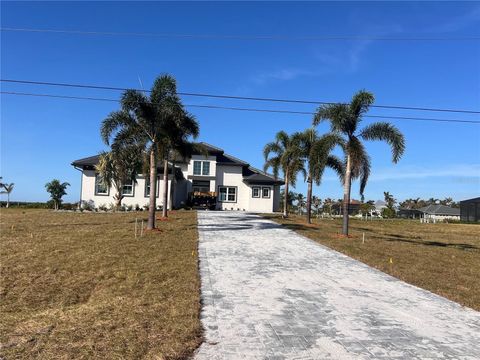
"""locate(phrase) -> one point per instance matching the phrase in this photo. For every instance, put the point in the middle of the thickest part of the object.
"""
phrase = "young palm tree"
(119, 166)
(287, 157)
(154, 123)
(316, 151)
(316, 203)
(344, 120)
(57, 190)
(8, 189)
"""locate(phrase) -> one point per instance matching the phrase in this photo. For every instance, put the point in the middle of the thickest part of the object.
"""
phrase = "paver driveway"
(269, 293)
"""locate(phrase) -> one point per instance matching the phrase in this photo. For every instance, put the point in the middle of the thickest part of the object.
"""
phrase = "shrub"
(87, 205)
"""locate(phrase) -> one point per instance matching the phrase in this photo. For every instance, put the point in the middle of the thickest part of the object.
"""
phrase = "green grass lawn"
(80, 286)
(442, 258)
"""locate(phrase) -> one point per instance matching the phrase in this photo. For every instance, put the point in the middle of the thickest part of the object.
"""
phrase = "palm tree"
(316, 151)
(118, 167)
(327, 203)
(57, 190)
(300, 203)
(8, 189)
(316, 203)
(344, 120)
(287, 157)
(156, 124)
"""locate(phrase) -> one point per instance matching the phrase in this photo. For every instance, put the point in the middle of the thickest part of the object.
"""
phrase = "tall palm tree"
(155, 123)
(287, 157)
(344, 120)
(8, 189)
(316, 151)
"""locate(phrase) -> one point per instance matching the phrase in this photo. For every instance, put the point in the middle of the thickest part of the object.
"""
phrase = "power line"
(232, 97)
(239, 108)
(241, 37)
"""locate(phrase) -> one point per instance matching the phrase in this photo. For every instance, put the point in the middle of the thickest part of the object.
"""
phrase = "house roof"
(474, 200)
(437, 209)
(89, 163)
(251, 175)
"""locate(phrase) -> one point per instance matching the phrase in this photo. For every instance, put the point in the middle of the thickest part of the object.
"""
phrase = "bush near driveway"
(80, 286)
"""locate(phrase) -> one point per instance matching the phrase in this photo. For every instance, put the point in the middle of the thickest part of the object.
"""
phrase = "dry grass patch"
(442, 258)
(79, 285)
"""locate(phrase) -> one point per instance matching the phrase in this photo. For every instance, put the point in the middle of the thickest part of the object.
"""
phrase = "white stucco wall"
(88, 192)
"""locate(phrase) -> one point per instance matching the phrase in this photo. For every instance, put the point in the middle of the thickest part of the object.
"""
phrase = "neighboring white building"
(440, 212)
(236, 185)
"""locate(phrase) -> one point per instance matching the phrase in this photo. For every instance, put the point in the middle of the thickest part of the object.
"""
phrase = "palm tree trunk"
(172, 186)
(118, 201)
(285, 201)
(309, 199)
(346, 195)
(8, 200)
(165, 188)
(153, 188)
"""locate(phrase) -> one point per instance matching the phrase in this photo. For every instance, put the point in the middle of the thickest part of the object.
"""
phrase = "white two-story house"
(236, 185)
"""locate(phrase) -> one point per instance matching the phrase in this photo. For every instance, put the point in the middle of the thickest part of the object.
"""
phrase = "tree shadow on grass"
(461, 246)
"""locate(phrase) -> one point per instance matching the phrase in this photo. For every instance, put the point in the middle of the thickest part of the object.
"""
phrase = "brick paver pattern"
(269, 293)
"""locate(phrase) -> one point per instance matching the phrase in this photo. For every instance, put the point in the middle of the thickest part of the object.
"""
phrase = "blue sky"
(41, 137)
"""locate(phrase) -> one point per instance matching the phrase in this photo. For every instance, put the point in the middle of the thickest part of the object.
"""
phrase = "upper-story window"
(127, 189)
(201, 167)
(100, 187)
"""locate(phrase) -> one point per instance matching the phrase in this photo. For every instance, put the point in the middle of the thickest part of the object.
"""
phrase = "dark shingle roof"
(91, 160)
(252, 175)
(225, 159)
(89, 163)
(438, 209)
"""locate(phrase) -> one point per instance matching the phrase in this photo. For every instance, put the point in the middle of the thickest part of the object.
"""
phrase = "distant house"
(232, 182)
(470, 210)
(440, 212)
(409, 213)
(353, 209)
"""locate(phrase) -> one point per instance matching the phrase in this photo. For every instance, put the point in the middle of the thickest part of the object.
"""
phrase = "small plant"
(129, 208)
(102, 207)
(137, 207)
(146, 206)
(87, 205)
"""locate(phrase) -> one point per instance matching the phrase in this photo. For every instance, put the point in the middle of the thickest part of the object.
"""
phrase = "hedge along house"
(235, 184)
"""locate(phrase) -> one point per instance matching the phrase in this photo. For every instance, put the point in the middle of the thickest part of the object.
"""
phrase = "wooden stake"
(136, 220)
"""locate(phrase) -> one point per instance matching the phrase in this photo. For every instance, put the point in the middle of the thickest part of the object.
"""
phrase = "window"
(100, 187)
(227, 194)
(256, 192)
(147, 187)
(206, 168)
(201, 168)
(127, 189)
(201, 186)
(197, 167)
(266, 192)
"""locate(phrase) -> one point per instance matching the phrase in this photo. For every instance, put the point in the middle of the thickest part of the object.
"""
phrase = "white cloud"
(282, 75)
